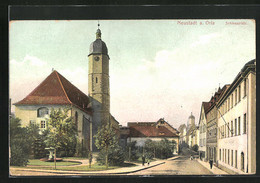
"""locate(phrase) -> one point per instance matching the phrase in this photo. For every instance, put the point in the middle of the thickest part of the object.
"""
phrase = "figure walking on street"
(211, 163)
(143, 160)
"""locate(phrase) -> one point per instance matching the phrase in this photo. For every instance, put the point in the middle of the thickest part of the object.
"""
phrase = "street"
(181, 166)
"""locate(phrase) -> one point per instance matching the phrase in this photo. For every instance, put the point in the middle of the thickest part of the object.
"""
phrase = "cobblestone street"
(181, 166)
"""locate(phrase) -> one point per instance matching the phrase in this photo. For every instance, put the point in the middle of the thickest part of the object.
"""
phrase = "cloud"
(205, 39)
(77, 76)
(32, 60)
(14, 62)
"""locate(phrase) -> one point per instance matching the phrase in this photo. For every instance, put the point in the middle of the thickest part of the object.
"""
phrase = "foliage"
(149, 148)
(19, 145)
(134, 154)
(162, 149)
(116, 156)
(81, 150)
(183, 145)
(36, 141)
(62, 132)
(167, 148)
(195, 148)
(106, 140)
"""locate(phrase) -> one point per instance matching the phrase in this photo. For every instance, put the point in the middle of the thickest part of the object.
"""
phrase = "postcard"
(132, 97)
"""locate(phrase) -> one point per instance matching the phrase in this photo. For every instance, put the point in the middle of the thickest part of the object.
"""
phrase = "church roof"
(150, 131)
(56, 90)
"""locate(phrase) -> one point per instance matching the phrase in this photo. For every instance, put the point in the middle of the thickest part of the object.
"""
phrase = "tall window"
(235, 127)
(239, 93)
(76, 119)
(231, 100)
(235, 158)
(245, 87)
(238, 125)
(228, 157)
(225, 131)
(41, 112)
(236, 97)
(244, 128)
(228, 104)
(223, 158)
(228, 129)
(96, 79)
(43, 124)
(231, 157)
(220, 154)
(232, 129)
(242, 161)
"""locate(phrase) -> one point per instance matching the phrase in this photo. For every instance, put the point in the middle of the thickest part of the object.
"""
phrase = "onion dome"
(98, 46)
(191, 116)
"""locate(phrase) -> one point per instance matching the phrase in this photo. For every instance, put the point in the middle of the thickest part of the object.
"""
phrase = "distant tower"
(191, 122)
(98, 82)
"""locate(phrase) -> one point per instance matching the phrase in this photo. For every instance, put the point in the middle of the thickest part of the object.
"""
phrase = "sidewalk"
(215, 170)
(124, 170)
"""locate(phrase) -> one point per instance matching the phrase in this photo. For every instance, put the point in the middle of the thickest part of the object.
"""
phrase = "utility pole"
(55, 158)
(129, 153)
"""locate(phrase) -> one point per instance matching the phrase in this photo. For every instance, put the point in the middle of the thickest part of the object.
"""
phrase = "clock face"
(96, 58)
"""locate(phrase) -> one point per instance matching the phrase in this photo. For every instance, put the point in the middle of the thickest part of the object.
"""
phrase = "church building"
(89, 112)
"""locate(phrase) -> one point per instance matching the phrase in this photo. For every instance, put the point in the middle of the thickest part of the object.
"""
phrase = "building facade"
(202, 130)
(237, 123)
(212, 125)
(98, 84)
(56, 92)
(155, 131)
(88, 112)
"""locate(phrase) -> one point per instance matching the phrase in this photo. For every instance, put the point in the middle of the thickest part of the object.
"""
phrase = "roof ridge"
(71, 84)
(62, 86)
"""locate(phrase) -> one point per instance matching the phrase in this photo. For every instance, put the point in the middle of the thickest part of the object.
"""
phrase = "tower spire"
(98, 33)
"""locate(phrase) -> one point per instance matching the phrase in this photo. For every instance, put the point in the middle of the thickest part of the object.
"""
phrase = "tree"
(36, 140)
(132, 151)
(195, 148)
(19, 144)
(62, 132)
(150, 147)
(106, 140)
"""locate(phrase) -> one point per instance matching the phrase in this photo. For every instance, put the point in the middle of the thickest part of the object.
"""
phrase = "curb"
(211, 169)
(97, 173)
(133, 171)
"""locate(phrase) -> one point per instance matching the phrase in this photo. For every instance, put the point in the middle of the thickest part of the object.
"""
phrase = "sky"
(158, 68)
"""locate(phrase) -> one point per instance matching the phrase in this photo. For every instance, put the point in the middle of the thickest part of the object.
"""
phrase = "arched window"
(41, 112)
(242, 161)
(76, 119)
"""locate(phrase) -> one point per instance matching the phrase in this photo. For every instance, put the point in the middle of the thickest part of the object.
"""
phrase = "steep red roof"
(150, 131)
(56, 90)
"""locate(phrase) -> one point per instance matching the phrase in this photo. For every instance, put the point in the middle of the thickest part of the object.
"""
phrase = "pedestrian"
(148, 162)
(143, 160)
(211, 163)
(191, 157)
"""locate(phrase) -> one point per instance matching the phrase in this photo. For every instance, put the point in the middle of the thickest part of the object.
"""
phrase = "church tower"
(98, 82)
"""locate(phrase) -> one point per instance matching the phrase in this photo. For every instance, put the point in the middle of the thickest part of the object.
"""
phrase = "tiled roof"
(57, 90)
(150, 131)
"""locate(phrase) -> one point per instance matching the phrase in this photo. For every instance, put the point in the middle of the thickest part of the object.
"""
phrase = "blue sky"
(158, 68)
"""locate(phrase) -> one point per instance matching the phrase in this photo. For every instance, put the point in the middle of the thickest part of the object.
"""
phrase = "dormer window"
(41, 112)
(161, 133)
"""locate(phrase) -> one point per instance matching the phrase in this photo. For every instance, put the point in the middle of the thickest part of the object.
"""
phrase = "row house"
(202, 130)
(237, 123)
